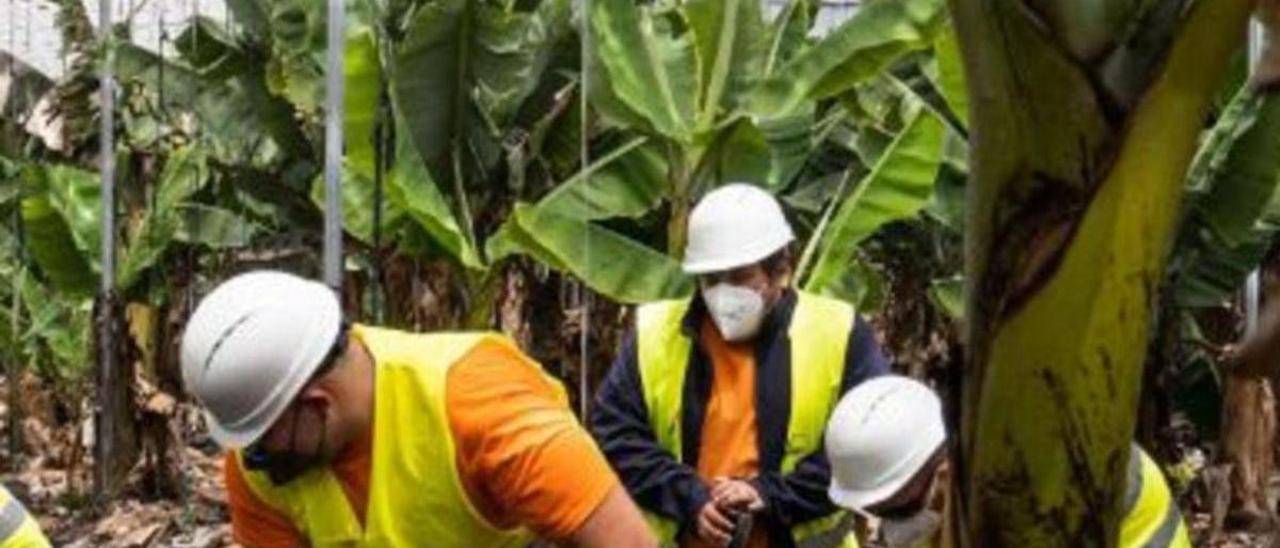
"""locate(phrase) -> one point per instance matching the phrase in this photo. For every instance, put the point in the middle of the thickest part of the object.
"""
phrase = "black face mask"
(285, 466)
(911, 524)
(903, 511)
(910, 531)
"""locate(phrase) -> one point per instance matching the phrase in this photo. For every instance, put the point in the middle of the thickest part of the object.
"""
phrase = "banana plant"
(1084, 123)
(23, 87)
(702, 93)
(1230, 217)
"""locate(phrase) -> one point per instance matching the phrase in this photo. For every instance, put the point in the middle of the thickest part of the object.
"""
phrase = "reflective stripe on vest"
(819, 334)
(415, 493)
(17, 528)
(1151, 518)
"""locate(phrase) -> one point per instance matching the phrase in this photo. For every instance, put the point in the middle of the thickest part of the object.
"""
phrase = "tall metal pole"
(334, 81)
(15, 355)
(1253, 285)
(107, 374)
(584, 294)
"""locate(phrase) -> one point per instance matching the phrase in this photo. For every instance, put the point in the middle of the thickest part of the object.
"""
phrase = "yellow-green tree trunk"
(1081, 138)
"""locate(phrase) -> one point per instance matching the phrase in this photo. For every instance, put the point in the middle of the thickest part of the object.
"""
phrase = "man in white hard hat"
(714, 410)
(358, 436)
(887, 446)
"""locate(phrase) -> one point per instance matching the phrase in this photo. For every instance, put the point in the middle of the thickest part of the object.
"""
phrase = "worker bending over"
(887, 446)
(358, 436)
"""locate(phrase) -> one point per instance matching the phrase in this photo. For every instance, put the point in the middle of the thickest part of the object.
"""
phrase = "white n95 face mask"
(736, 311)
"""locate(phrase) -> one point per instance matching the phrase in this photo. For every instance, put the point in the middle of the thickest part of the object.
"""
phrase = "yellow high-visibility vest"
(1151, 518)
(17, 528)
(416, 497)
(819, 335)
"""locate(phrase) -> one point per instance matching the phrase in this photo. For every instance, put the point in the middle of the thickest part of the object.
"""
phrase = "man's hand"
(734, 496)
(714, 524)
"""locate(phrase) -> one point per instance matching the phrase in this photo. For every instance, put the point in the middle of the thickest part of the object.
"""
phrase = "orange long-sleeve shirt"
(516, 443)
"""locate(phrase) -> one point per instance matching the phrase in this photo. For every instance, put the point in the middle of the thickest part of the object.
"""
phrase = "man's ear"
(316, 393)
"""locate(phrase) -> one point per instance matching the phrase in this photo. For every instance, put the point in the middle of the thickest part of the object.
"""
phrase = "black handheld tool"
(741, 531)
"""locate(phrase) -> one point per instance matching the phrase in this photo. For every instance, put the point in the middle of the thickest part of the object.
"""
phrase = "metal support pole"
(12, 367)
(107, 375)
(1252, 286)
(381, 136)
(584, 296)
(333, 116)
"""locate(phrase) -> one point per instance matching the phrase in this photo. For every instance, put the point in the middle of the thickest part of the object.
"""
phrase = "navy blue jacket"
(662, 485)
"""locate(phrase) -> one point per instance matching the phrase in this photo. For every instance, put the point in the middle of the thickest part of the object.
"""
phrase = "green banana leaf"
(948, 295)
(1243, 176)
(240, 121)
(252, 16)
(62, 323)
(744, 155)
(1232, 193)
(610, 263)
(24, 88)
(295, 70)
(51, 245)
(214, 227)
(876, 36)
(464, 68)
(644, 67)
(411, 188)
(185, 173)
(61, 215)
(950, 73)
(629, 181)
(788, 35)
(358, 194)
(10, 180)
(898, 187)
(363, 75)
(729, 41)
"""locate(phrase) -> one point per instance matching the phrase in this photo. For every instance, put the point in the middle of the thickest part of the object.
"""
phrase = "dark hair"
(335, 352)
(779, 262)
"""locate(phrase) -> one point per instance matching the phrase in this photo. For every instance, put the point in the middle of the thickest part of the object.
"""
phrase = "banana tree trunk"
(1084, 119)
(681, 202)
(1248, 440)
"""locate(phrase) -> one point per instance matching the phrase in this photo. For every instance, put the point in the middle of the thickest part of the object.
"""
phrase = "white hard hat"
(250, 347)
(880, 435)
(732, 226)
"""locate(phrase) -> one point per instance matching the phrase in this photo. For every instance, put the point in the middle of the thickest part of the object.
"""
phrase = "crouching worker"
(18, 529)
(358, 436)
(887, 446)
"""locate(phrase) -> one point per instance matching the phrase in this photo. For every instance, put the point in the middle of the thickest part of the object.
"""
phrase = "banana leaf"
(51, 245)
(358, 194)
(876, 36)
(185, 173)
(728, 38)
(644, 68)
(629, 181)
(464, 68)
(898, 187)
(214, 227)
(608, 262)
(412, 189)
(1232, 189)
